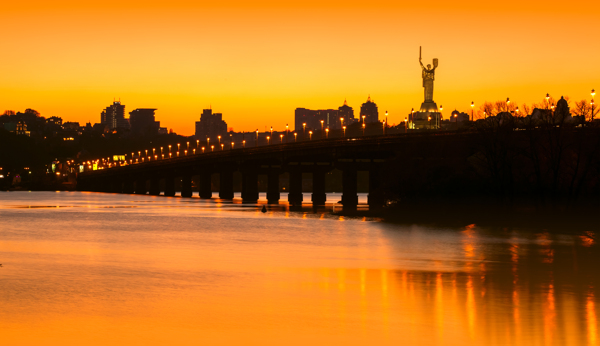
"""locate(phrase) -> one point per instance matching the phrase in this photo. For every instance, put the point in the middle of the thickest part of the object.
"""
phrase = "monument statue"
(428, 78)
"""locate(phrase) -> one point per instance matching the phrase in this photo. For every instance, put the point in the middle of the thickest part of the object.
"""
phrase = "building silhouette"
(143, 122)
(114, 117)
(369, 111)
(210, 125)
(330, 118)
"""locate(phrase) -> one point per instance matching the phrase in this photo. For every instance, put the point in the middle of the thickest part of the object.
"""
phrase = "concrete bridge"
(317, 157)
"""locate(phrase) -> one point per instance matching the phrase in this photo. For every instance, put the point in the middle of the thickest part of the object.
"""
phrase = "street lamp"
(232, 143)
(197, 143)
(342, 121)
(185, 152)
(257, 138)
(310, 135)
(222, 147)
(194, 151)
(271, 131)
(212, 148)
(303, 131)
(170, 155)
(363, 126)
(472, 106)
(547, 100)
(322, 121)
(456, 120)
(327, 133)
(281, 137)
(412, 115)
(295, 136)
(386, 122)
(268, 140)
(202, 149)
(405, 125)
(363, 118)
(188, 145)
(344, 128)
(429, 118)
(507, 103)
(244, 143)
(593, 94)
(219, 138)
(178, 146)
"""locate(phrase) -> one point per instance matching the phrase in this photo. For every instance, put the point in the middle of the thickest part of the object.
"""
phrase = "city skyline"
(262, 62)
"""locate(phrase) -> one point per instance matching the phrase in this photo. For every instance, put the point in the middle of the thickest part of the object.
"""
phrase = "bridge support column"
(349, 186)
(226, 184)
(128, 186)
(155, 186)
(116, 185)
(318, 196)
(140, 186)
(273, 194)
(295, 194)
(205, 185)
(169, 185)
(186, 184)
(250, 186)
(376, 196)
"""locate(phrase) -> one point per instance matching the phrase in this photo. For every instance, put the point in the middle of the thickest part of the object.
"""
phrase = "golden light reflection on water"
(157, 276)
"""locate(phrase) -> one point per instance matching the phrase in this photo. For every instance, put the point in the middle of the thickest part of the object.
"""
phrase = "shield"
(435, 62)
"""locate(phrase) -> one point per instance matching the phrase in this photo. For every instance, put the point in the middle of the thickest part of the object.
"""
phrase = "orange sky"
(257, 62)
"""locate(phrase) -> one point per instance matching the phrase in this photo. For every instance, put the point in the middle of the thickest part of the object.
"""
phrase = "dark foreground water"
(106, 269)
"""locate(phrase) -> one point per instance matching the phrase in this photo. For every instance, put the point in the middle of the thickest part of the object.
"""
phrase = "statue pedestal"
(429, 106)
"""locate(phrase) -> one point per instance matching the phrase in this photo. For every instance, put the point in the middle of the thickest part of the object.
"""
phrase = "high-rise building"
(331, 118)
(369, 110)
(210, 125)
(114, 117)
(143, 122)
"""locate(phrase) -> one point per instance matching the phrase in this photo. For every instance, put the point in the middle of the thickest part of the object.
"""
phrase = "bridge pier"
(116, 185)
(128, 185)
(169, 185)
(376, 197)
(140, 186)
(349, 186)
(295, 194)
(155, 186)
(250, 186)
(186, 184)
(318, 196)
(205, 185)
(226, 184)
(273, 194)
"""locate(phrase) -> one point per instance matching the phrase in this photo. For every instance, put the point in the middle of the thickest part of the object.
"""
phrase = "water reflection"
(171, 271)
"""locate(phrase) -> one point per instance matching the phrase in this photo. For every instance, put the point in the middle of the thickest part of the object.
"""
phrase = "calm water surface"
(107, 269)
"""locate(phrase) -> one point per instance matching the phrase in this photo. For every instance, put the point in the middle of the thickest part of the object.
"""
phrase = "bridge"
(317, 157)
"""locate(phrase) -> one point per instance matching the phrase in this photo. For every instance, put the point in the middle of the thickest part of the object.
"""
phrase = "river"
(108, 269)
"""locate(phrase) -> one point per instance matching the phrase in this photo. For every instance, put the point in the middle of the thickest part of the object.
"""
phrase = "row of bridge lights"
(162, 154)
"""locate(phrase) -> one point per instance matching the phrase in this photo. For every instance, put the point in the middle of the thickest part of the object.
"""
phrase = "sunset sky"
(256, 62)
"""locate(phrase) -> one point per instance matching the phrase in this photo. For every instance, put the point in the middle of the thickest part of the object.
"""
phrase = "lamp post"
(222, 146)
(281, 137)
(188, 145)
(327, 133)
(429, 118)
(185, 152)
(207, 142)
(441, 109)
(386, 122)
(287, 132)
(363, 118)
(271, 131)
(547, 100)
(412, 115)
(197, 143)
(507, 103)
(472, 106)
(219, 138)
(178, 146)
(344, 128)
(593, 94)
(257, 138)
(202, 149)
(405, 125)
(303, 131)
(212, 148)
(322, 122)
(363, 126)
(310, 135)
(243, 143)
(456, 120)
(295, 136)
(268, 140)
(232, 143)
(342, 122)
(169, 148)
